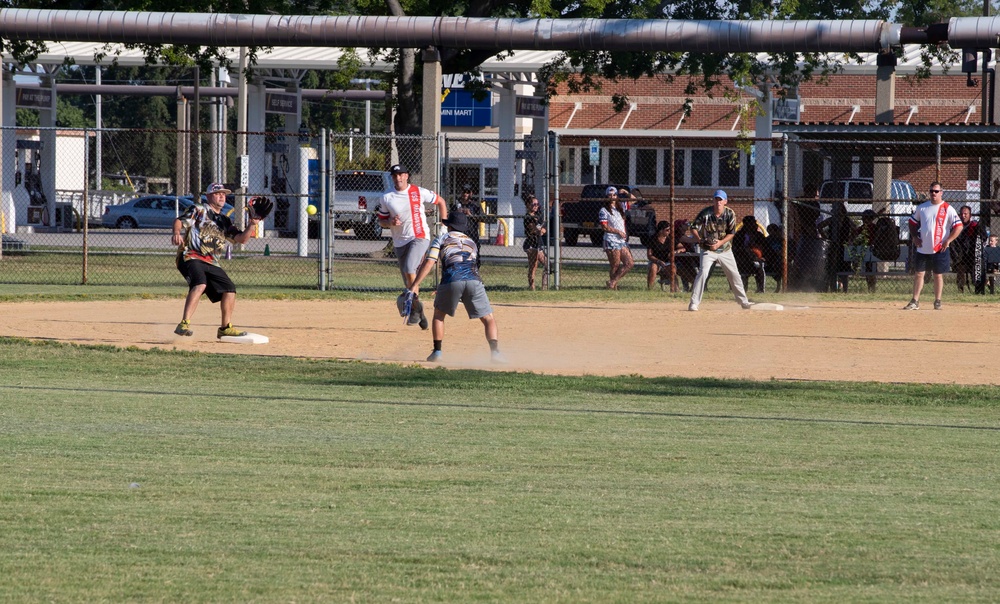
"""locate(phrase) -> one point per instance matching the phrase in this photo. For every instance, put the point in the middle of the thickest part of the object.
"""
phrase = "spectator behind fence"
(805, 248)
(774, 254)
(866, 236)
(612, 219)
(963, 250)
(748, 249)
(658, 254)
(839, 230)
(687, 266)
(992, 268)
(468, 204)
(534, 228)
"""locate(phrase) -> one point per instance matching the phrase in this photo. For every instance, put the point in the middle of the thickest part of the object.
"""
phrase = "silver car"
(147, 212)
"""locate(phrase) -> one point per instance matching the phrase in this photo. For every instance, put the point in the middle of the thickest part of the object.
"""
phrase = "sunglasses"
(935, 190)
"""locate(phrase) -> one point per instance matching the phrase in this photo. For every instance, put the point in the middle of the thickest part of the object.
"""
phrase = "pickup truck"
(355, 193)
(580, 217)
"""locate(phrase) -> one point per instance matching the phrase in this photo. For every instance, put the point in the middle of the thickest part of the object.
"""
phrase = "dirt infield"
(822, 341)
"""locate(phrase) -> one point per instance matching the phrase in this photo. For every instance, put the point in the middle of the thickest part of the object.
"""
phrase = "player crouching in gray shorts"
(460, 282)
(470, 293)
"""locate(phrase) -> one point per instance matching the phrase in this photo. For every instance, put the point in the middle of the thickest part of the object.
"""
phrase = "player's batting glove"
(259, 207)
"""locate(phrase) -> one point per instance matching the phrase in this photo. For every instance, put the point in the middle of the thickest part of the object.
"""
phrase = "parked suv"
(355, 193)
(580, 217)
(903, 198)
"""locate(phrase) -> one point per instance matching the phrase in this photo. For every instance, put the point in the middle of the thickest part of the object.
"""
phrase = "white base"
(250, 338)
(767, 306)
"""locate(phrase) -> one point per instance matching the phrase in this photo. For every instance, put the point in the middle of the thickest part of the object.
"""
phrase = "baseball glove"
(404, 303)
(259, 207)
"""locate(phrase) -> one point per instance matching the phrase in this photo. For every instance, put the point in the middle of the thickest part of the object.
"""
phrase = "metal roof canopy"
(898, 140)
(216, 29)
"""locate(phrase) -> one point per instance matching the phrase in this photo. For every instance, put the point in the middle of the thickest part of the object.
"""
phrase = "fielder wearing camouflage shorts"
(460, 282)
(201, 235)
(713, 229)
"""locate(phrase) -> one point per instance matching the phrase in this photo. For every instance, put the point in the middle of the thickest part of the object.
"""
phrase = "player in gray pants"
(713, 229)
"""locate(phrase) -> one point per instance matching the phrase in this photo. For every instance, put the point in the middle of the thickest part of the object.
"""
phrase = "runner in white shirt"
(402, 211)
(933, 226)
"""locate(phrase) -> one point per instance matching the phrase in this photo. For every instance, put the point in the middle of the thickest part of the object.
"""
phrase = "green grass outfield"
(130, 475)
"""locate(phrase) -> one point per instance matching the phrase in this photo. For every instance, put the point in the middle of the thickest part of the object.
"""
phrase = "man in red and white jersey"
(933, 226)
(402, 211)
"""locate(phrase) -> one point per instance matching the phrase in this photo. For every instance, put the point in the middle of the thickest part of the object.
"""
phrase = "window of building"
(645, 166)
(701, 168)
(679, 155)
(567, 165)
(618, 166)
(729, 168)
(587, 176)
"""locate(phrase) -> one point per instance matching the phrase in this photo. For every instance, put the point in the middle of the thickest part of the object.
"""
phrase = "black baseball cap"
(398, 169)
(456, 221)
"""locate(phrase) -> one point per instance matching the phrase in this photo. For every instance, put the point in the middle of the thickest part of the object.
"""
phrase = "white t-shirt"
(409, 206)
(933, 224)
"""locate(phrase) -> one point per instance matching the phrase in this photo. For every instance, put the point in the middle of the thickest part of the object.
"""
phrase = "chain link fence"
(101, 213)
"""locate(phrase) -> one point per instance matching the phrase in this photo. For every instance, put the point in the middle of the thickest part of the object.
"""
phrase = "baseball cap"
(217, 187)
(456, 221)
(398, 169)
(467, 188)
(720, 194)
(611, 191)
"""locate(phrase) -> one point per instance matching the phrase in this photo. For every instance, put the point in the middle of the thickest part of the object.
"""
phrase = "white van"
(903, 199)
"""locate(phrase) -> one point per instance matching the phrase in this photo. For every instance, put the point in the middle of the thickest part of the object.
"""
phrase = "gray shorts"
(470, 293)
(411, 255)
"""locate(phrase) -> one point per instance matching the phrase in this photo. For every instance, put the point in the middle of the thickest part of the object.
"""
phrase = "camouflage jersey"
(457, 254)
(713, 228)
(207, 233)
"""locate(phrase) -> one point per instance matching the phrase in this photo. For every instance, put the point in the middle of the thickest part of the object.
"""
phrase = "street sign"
(595, 151)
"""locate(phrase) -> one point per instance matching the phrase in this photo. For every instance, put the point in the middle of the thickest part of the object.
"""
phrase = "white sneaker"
(497, 357)
(692, 307)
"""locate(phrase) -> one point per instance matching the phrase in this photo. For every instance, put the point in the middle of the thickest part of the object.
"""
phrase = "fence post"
(86, 198)
(323, 234)
(556, 258)
(784, 214)
(670, 214)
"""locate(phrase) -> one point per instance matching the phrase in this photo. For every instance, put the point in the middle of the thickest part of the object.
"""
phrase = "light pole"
(368, 111)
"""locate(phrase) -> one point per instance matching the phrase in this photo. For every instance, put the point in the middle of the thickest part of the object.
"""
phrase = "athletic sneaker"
(913, 305)
(746, 306)
(937, 305)
(229, 330)
(692, 308)
(184, 329)
(435, 357)
(497, 357)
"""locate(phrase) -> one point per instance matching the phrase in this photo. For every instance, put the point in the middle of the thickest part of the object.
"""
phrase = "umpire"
(201, 235)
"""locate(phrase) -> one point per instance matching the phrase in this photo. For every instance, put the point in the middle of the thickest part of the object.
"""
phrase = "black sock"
(437, 345)
(493, 345)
